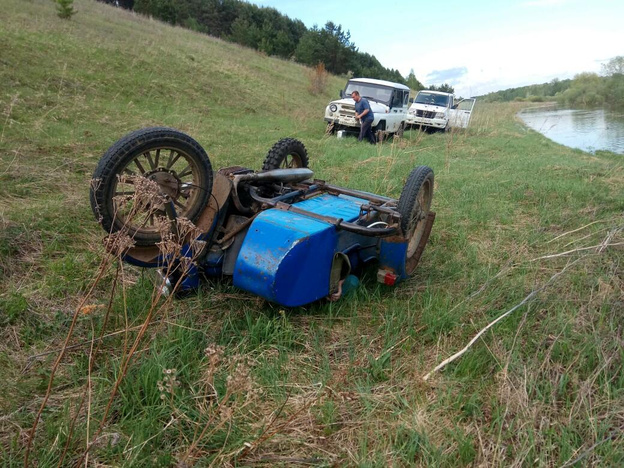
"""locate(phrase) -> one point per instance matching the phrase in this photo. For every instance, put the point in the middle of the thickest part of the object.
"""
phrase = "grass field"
(226, 379)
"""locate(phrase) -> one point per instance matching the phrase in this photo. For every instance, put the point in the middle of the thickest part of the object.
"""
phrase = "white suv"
(387, 100)
(438, 110)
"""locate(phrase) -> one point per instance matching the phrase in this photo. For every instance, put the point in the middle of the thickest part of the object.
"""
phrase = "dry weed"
(317, 78)
(146, 197)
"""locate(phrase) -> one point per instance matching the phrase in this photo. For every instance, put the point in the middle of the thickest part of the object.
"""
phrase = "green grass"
(331, 383)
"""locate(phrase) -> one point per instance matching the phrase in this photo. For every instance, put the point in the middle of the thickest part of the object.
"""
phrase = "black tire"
(414, 205)
(380, 131)
(286, 153)
(399, 133)
(330, 129)
(184, 175)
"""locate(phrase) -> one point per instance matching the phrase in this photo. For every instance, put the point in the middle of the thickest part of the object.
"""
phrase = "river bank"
(587, 129)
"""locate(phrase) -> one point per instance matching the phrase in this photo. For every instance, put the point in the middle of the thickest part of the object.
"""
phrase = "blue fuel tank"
(286, 257)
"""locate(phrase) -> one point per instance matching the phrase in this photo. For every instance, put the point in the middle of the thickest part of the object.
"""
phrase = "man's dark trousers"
(367, 132)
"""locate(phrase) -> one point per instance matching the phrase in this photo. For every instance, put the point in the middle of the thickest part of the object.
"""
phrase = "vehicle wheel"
(122, 195)
(399, 133)
(286, 153)
(330, 129)
(380, 131)
(414, 205)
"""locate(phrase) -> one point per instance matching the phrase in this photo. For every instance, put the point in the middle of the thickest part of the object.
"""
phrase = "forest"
(272, 33)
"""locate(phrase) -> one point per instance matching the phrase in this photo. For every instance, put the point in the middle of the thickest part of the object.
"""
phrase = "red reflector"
(390, 279)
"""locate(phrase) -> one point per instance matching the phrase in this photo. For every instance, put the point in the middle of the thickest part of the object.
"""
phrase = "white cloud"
(516, 60)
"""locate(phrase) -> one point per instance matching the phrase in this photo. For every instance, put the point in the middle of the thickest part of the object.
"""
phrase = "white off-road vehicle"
(438, 110)
(388, 101)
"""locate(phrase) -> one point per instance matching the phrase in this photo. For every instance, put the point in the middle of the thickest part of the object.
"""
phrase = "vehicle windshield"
(370, 91)
(432, 99)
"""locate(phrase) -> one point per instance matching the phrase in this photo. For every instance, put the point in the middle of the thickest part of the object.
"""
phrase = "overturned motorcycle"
(279, 233)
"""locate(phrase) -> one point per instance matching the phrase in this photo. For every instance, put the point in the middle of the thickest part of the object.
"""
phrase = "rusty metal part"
(333, 297)
(173, 217)
(334, 190)
(232, 250)
(232, 173)
(167, 181)
(236, 230)
(237, 201)
(285, 176)
(147, 254)
(233, 170)
(411, 262)
(368, 232)
(309, 189)
(340, 269)
(221, 189)
(339, 223)
(381, 209)
(281, 198)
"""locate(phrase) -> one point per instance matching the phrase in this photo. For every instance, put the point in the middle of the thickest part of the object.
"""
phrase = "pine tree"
(413, 82)
(65, 9)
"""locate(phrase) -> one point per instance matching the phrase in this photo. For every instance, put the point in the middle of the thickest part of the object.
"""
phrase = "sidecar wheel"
(141, 174)
(414, 205)
(286, 153)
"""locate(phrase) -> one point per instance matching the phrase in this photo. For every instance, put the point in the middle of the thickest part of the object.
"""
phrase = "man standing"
(364, 112)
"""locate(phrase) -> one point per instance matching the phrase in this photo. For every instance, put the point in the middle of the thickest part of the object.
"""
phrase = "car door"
(397, 111)
(459, 115)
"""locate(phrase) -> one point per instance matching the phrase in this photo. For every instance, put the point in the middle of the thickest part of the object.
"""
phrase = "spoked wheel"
(285, 154)
(142, 175)
(414, 206)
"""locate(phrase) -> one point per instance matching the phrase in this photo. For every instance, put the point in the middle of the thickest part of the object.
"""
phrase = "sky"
(477, 46)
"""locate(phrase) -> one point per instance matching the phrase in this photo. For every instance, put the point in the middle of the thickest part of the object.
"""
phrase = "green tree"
(587, 89)
(65, 9)
(614, 66)
(244, 33)
(330, 45)
(412, 81)
(443, 88)
(216, 16)
(614, 89)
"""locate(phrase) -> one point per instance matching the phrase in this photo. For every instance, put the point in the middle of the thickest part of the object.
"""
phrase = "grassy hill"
(227, 379)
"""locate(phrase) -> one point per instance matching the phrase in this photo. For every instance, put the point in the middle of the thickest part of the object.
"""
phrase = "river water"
(589, 130)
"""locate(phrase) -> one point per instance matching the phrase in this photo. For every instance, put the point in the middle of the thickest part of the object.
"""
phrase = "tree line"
(533, 93)
(584, 90)
(267, 30)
